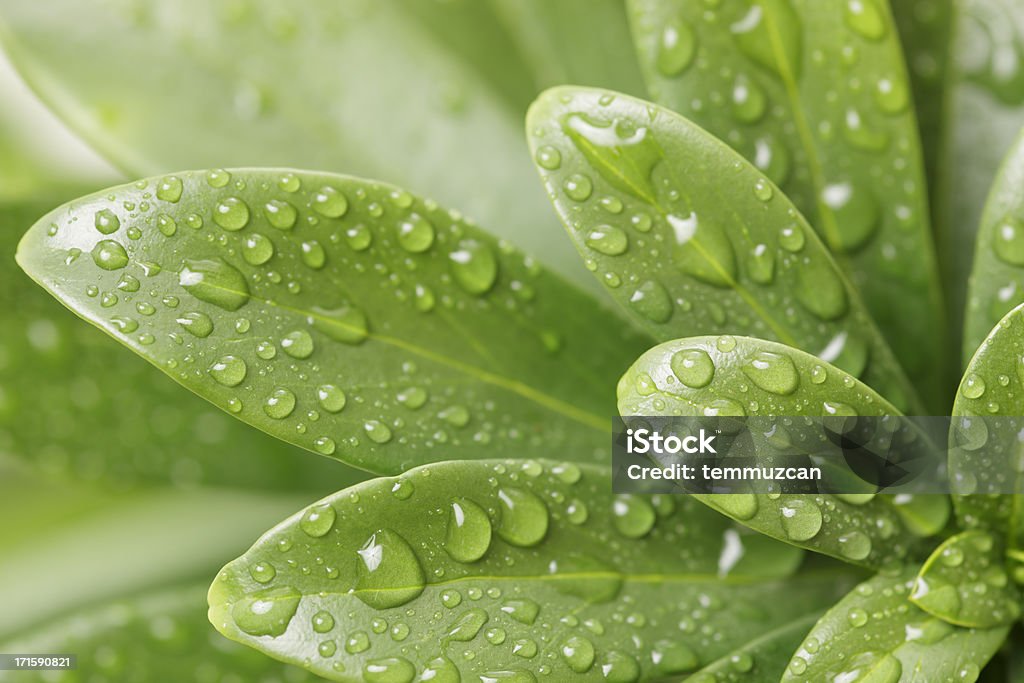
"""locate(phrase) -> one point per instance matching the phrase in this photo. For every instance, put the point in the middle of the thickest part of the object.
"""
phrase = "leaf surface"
(981, 456)
(61, 379)
(429, 96)
(817, 96)
(875, 634)
(691, 239)
(986, 113)
(778, 381)
(473, 568)
(996, 285)
(161, 635)
(965, 583)
(342, 315)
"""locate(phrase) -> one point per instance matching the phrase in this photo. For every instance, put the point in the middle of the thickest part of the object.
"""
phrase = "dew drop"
(524, 517)
(549, 158)
(389, 670)
(267, 612)
(109, 255)
(469, 531)
(693, 367)
(801, 519)
(228, 370)
(389, 574)
(865, 18)
(651, 300)
(677, 46)
(854, 545)
(215, 282)
(330, 203)
(772, 372)
(415, 234)
(607, 240)
(473, 266)
(280, 404)
(298, 344)
(633, 516)
(578, 653)
(196, 323)
(106, 221)
(346, 324)
(231, 214)
(257, 249)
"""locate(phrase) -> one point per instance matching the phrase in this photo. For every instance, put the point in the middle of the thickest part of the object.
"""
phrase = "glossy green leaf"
(762, 660)
(926, 30)
(874, 634)
(62, 381)
(777, 380)
(986, 112)
(992, 386)
(342, 315)
(468, 568)
(691, 239)
(159, 636)
(996, 285)
(427, 95)
(817, 96)
(965, 583)
(924, 514)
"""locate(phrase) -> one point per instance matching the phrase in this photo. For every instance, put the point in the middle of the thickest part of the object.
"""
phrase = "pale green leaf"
(468, 568)
(775, 380)
(874, 634)
(691, 239)
(342, 315)
(817, 96)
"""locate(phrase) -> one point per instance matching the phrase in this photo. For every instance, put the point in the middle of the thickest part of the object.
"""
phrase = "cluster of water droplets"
(417, 599)
(660, 245)
(243, 322)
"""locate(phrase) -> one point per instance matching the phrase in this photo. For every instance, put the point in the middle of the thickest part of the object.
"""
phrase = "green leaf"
(342, 315)
(63, 380)
(321, 85)
(986, 111)
(762, 660)
(817, 96)
(158, 636)
(689, 238)
(980, 457)
(996, 285)
(874, 634)
(926, 31)
(924, 514)
(478, 567)
(964, 582)
(778, 380)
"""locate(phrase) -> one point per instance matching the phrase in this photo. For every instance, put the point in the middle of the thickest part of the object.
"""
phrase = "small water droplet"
(280, 404)
(228, 370)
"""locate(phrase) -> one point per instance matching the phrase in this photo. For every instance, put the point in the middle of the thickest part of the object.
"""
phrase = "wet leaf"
(925, 30)
(762, 660)
(986, 112)
(63, 380)
(965, 583)
(691, 239)
(342, 315)
(323, 85)
(980, 457)
(476, 567)
(787, 382)
(996, 285)
(875, 634)
(817, 97)
(159, 636)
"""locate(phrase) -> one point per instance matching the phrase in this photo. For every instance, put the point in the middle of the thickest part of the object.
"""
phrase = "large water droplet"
(857, 215)
(677, 46)
(693, 367)
(772, 372)
(469, 531)
(801, 519)
(389, 670)
(607, 240)
(703, 250)
(169, 189)
(106, 221)
(1008, 241)
(267, 612)
(578, 653)
(298, 344)
(196, 323)
(109, 255)
(772, 37)
(738, 505)
(673, 657)
(523, 610)
(748, 100)
(280, 214)
(228, 370)
(467, 626)
(215, 282)
(346, 324)
(524, 517)
(313, 254)
(389, 574)
(474, 266)
(280, 404)
(633, 516)
(231, 214)
(854, 545)
(619, 667)
(329, 202)
(820, 290)
(332, 398)
(257, 249)
(318, 519)
(652, 301)
(623, 153)
(415, 234)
